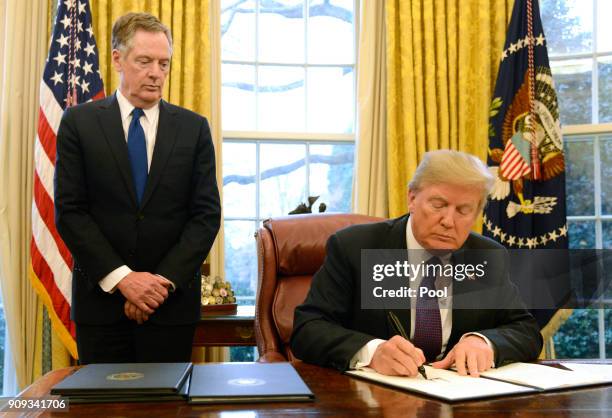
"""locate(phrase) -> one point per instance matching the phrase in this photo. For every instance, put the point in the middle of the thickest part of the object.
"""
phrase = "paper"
(542, 377)
(600, 371)
(445, 384)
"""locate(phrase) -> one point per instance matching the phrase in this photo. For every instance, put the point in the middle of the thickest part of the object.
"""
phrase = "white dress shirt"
(363, 357)
(149, 124)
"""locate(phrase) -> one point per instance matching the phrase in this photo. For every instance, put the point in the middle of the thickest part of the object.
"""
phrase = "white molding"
(286, 136)
(586, 129)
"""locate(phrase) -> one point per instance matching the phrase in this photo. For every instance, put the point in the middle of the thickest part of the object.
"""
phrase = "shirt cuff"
(489, 343)
(363, 357)
(171, 282)
(112, 279)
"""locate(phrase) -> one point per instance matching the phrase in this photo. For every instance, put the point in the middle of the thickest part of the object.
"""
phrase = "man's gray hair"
(453, 167)
(126, 26)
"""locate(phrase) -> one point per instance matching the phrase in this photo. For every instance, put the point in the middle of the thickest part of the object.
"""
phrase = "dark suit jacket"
(330, 326)
(98, 217)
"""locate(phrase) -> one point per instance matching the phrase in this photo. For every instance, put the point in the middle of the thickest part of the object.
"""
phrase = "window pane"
(331, 176)
(281, 31)
(238, 30)
(238, 97)
(608, 327)
(578, 337)
(605, 89)
(330, 32)
(330, 100)
(239, 171)
(573, 83)
(281, 99)
(241, 257)
(606, 227)
(283, 178)
(568, 25)
(605, 154)
(604, 32)
(579, 180)
(581, 234)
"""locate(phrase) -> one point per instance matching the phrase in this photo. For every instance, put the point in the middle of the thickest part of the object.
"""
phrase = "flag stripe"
(61, 305)
(53, 111)
(46, 139)
(47, 248)
(44, 205)
(44, 168)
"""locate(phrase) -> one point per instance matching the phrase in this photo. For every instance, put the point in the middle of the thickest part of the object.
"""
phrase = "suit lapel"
(460, 315)
(164, 143)
(396, 240)
(109, 116)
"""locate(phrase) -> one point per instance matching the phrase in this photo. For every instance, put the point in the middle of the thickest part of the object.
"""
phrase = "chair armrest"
(272, 357)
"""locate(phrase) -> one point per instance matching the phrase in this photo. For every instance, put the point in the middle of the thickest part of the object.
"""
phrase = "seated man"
(447, 193)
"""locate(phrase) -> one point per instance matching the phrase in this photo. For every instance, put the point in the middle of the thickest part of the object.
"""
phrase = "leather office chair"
(289, 251)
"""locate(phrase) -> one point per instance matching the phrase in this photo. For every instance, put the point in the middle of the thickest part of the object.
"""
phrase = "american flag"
(71, 76)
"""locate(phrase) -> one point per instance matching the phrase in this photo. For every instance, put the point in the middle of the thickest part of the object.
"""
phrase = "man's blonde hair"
(126, 26)
(453, 167)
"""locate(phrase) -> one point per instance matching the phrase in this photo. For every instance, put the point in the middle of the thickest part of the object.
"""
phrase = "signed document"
(445, 384)
(513, 379)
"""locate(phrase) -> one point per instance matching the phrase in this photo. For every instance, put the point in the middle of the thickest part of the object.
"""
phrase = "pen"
(399, 329)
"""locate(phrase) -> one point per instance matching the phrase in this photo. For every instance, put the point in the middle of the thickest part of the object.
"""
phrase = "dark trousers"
(128, 342)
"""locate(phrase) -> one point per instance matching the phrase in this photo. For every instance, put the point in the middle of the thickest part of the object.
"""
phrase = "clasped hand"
(144, 293)
(399, 357)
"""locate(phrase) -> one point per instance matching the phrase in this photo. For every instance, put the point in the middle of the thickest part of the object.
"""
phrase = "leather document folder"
(125, 382)
(247, 382)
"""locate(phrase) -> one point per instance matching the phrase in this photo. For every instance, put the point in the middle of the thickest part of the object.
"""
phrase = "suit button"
(131, 253)
(139, 216)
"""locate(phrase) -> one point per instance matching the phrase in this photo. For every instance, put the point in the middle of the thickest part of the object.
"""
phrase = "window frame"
(296, 137)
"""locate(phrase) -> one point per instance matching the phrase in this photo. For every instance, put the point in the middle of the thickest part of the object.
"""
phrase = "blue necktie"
(137, 151)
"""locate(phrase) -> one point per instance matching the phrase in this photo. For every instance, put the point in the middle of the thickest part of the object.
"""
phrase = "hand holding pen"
(399, 329)
(399, 357)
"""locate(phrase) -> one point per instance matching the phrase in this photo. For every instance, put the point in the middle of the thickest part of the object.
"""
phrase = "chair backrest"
(289, 251)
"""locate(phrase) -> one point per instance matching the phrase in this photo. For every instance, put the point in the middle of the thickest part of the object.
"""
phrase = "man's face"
(143, 68)
(443, 214)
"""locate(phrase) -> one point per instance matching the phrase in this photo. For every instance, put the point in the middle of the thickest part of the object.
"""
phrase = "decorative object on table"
(302, 208)
(217, 295)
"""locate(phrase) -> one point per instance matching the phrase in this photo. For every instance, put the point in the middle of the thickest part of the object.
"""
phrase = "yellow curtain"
(442, 61)
(23, 36)
(194, 78)
(370, 185)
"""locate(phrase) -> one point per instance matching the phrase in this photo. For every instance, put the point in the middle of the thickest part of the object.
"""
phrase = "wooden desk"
(338, 395)
(219, 329)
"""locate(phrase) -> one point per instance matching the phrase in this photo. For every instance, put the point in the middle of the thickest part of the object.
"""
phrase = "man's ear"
(116, 57)
(411, 197)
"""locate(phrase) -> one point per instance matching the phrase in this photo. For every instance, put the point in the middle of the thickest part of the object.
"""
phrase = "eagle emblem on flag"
(519, 131)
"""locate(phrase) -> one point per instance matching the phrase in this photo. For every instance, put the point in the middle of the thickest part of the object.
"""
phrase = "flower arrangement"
(216, 291)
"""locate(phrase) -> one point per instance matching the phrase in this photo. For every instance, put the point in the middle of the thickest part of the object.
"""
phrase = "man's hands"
(470, 355)
(133, 313)
(397, 357)
(144, 292)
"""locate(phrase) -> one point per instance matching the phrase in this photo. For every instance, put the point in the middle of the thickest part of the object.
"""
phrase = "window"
(288, 109)
(579, 43)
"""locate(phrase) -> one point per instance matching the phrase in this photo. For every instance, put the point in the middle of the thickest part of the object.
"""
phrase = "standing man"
(137, 204)
(447, 193)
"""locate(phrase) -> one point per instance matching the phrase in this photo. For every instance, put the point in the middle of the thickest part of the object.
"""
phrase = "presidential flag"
(527, 207)
(71, 76)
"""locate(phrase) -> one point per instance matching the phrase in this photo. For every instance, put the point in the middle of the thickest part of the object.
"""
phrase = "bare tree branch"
(344, 158)
(290, 12)
(266, 89)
